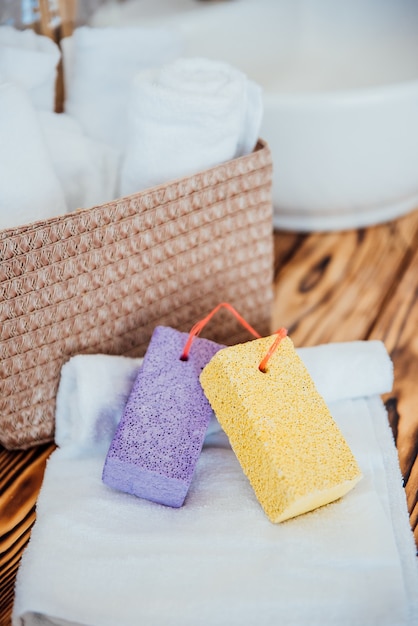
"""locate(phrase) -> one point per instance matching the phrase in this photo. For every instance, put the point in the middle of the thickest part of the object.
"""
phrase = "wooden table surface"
(359, 284)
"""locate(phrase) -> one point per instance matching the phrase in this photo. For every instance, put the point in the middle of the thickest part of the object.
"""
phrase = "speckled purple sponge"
(159, 438)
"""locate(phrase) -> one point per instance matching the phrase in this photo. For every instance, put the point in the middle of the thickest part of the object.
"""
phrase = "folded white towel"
(186, 116)
(31, 61)
(101, 557)
(30, 189)
(86, 169)
(100, 64)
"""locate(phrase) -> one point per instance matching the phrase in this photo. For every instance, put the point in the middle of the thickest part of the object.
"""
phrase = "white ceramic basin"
(340, 84)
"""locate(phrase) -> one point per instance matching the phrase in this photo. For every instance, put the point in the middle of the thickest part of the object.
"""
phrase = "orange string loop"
(198, 327)
(281, 334)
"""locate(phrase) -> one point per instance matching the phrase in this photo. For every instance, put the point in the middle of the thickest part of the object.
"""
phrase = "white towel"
(91, 396)
(94, 388)
(87, 169)
(186, 116)
(29, 190)
(101, 557)
(31, 61)
(349, 369)
(100, 64)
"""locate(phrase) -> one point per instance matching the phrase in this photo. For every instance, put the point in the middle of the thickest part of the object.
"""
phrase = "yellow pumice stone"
(279, 427)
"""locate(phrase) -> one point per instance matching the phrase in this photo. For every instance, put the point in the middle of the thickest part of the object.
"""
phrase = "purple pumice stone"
(156, 446)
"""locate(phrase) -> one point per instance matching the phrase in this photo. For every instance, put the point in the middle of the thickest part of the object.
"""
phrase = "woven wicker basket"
(99, 280)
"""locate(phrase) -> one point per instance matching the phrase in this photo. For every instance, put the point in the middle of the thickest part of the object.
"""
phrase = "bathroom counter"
(342, 286)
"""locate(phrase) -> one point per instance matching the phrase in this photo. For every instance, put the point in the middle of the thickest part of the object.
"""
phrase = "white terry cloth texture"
(101, 557)
(100, 64)
(91, 396)
(87, 169)
(29, 190)
(349, 369)
(186, 116)
(31, 61)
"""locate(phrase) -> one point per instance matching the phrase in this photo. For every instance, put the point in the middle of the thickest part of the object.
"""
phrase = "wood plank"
(335, 284)
(285, 247)
(397, 326)
(21, 475)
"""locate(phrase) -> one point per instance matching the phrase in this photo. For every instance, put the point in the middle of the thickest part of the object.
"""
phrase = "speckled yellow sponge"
(279, 427)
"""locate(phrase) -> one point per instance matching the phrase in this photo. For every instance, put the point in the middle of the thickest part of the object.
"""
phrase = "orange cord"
(281, 334)
(198, 327)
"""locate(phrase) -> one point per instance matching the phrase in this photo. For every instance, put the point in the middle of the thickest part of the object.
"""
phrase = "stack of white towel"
(168, 116)
(102, 557)
(30, 188)
(136, 115)
(48, 165)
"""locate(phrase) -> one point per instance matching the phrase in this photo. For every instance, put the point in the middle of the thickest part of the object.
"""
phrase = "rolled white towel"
(100, 64)
(351, 369)
(188, 115)
(87, 169)
(91, 396)
(93, 389)
(29, 190)
(31, 61)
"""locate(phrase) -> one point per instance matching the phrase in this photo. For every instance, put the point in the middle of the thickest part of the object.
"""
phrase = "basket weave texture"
(99, 280)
